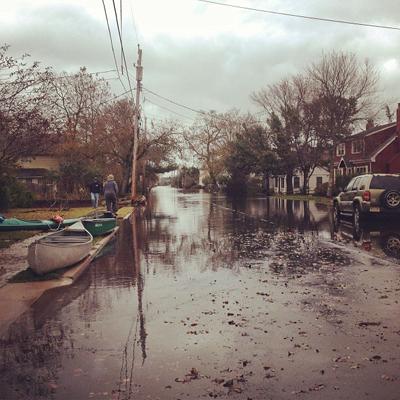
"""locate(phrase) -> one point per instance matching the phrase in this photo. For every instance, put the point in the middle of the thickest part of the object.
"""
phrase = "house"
(374, 150)
(38, 173)
(320, 175)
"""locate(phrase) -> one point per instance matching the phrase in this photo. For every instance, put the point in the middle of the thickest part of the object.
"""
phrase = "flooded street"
(199, 297)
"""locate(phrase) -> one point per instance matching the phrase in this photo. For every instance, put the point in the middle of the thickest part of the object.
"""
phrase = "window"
(385, 182)
(356, 146)
(350, 185)
(355, 184)
(341, 149)
(319, 181)
(362, 170)
(282, 182)
(296, 182)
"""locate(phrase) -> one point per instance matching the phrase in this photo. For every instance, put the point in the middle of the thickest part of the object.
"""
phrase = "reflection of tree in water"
(33, 348)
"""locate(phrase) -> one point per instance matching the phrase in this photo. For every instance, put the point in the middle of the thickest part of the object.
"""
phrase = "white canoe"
(60, 249)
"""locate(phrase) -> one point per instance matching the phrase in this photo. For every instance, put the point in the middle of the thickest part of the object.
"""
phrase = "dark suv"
(370, 194)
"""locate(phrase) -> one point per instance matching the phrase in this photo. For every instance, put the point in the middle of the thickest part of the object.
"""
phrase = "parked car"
(370, 194)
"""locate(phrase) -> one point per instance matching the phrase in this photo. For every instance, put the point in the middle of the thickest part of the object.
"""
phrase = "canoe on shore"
(100, 225)
(16, 224)
(60, 249)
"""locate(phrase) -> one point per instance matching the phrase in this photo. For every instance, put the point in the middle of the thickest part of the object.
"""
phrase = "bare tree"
(114, 142)
(24, 126)
(77, 100)
(295, 142)
(210, 136)
(345, 93)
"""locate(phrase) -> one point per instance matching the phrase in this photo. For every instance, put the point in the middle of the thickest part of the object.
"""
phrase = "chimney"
(398, 119)
(370, 124)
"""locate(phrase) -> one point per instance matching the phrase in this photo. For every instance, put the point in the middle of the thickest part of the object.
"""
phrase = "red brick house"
(377, 149)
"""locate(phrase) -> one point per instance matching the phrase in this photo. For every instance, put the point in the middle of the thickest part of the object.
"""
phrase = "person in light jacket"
(110, 191)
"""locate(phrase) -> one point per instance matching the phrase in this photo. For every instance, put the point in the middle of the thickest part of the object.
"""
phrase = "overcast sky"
(202, 55)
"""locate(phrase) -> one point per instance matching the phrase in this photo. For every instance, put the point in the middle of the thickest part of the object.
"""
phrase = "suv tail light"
(366, 196)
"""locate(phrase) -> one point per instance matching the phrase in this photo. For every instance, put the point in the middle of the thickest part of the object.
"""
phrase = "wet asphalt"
(202, 297)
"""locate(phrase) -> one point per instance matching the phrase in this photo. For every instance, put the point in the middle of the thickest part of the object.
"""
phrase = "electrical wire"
(122, 46)
(172, 101)
(134, 23)
(112, 44)
(116, 97)
(338, 21)
(167, 109)
(189, 108)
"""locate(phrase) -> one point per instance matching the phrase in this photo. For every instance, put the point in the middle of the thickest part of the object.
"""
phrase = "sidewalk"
(16, 298)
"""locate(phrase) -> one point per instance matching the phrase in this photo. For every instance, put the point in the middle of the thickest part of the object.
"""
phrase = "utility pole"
(139, 75)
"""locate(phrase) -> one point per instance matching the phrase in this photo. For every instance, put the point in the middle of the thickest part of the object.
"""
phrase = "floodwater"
(201, 297)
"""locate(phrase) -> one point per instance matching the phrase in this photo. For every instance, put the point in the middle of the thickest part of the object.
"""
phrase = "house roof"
(32, 172)
(371, 131)
(382, 147)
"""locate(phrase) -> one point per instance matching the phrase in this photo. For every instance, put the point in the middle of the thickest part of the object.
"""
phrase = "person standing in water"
(110, 190)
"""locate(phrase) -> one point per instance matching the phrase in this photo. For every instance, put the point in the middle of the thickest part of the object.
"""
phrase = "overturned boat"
(60, 249)
(16, 224)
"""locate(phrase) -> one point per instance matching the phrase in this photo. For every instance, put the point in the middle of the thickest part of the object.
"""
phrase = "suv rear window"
(385, 182)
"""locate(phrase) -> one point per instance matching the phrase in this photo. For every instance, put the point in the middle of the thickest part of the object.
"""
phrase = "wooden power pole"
(139, 75)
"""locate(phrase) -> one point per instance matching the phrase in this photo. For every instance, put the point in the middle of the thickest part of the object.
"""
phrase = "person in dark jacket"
(111, 194)
(95, 190)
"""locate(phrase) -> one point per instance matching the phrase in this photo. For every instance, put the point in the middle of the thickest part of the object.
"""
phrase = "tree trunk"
(331, 168)
(306, 178)
(266, 182)
(289, 182)
(126, 174)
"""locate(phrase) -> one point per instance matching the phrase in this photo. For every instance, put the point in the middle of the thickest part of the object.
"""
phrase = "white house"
(319, 176)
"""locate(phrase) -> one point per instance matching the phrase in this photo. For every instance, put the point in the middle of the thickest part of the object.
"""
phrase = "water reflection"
(33, 348)
(99, 335)
(378, 237)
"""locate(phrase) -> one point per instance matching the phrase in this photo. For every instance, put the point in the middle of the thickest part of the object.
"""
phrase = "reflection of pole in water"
(140, 287)
(126, 372)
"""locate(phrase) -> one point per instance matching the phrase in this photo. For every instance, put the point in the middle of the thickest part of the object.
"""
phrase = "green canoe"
(15, 224)
(101, 225)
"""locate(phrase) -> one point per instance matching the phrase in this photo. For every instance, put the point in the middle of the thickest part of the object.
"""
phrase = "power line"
(112, 44)
(188, 108)
(102, 72)
(173, 102)
(338, 21)
(165, 108)
(134, 23)
(122, 46)
(120, 16)
(116, 97)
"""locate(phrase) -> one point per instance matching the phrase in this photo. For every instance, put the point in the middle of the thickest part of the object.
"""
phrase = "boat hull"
(15, 224)
(99, 226)
(60, 249)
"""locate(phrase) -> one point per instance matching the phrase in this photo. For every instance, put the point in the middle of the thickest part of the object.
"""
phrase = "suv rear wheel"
(391, 199)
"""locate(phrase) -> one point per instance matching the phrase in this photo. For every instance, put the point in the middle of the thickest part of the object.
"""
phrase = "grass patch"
(45, 213)
(9, 238)
(302, 197)
(124, 211)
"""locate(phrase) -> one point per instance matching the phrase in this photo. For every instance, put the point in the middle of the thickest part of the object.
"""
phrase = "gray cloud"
(218, 73)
